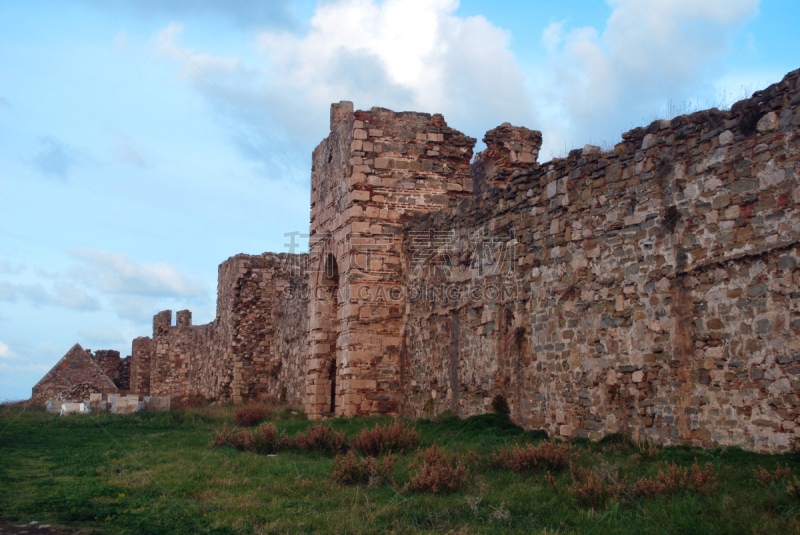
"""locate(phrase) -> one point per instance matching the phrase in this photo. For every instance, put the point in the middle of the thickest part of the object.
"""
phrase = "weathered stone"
(768, 122)
(657, 281)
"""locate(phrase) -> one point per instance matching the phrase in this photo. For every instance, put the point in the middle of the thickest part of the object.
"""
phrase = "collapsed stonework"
(650, 289)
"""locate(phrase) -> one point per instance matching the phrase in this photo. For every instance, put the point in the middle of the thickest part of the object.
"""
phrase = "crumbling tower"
(374, 168)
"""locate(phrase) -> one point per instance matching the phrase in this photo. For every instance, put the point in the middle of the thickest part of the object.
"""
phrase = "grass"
(156, 473)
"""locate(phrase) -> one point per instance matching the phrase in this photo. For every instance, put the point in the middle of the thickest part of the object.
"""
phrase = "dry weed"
(675, 479)
(349, 470)
(439, 472)
(548, 455)
(394, 438)
(765, 477)
(322, 438)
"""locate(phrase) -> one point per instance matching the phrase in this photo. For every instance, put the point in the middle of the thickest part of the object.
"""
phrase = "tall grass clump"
(350, 470)
(546, 456)
(438, 472)
(322, 438)
(392, 438)
(251, 414)
(263, 439)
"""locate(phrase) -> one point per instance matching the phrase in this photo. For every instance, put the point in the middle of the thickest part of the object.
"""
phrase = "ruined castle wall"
(376, 166)
(508, 149)
(178, 353)
(650, 289)
(237, 356)
(109, 362)
(73, 377)
(123, 381)
(253, 311)
(141, 357)
(290, 330)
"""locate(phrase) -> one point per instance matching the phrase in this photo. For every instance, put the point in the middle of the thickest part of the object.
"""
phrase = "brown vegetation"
(394, 438)
(439, 472)
(349, 470)
(547, 455)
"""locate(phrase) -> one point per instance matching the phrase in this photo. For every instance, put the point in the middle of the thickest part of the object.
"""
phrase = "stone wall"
(256, 345)
(77, 371)
(650, 289)
(123, 381)
(508, 149)
(253, 309)
(177, 350)
(117, 369)
(141, 358)
(375, 167)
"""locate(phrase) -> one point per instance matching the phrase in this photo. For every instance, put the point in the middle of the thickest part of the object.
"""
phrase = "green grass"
(155, 473)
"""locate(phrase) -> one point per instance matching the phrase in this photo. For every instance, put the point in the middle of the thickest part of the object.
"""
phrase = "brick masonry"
(651, 289)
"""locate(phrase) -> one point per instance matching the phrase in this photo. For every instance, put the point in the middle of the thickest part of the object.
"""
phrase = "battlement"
(510, 150)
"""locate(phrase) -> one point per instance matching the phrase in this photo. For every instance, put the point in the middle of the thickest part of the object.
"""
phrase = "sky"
(143, 142)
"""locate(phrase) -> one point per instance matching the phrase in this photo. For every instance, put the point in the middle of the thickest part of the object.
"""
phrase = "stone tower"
(373, 169)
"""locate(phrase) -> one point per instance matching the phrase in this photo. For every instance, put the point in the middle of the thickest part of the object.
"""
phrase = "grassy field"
(157, 473)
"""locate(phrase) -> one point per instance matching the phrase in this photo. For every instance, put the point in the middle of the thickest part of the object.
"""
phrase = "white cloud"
(7, 268)
(118, 273)
(126, 150)
(64, 294)
(553, 35)
(102, 337)
(399, 54)
(602, 81)
(5, 351)
(411, 54)
(70, 296)
(121, 40)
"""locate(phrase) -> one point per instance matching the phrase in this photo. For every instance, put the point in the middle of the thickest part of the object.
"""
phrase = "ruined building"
(649, 289)
(81, 372)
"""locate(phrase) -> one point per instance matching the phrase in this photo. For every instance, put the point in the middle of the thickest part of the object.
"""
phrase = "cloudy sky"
(142, 142)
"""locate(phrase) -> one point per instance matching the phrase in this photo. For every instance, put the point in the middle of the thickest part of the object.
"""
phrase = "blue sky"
(183, 129)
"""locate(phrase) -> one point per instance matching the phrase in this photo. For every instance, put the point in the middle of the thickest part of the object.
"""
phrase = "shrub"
(440, 472)
(251, 414)
(646, 449)
(765, 477)
(547, 455)
(240, 439)
(348, 470)
(794, 490)
(591, 489)
(675, 479)
(500, 405)
(268, 440)
(322, 438)
(264, 439)
(392, 438)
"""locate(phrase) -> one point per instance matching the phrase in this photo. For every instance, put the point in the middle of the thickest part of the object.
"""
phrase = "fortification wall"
(261, 332)
(375, 166)
(237, 356)
(650, 289)
(179, 352)
(117, 369)
(140, 364)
